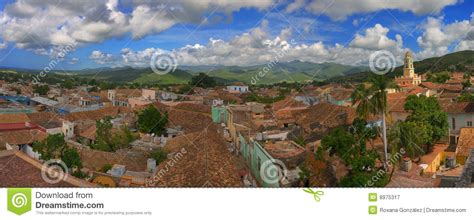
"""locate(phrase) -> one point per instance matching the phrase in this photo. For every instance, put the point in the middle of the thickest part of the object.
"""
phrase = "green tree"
(373, 100)
(71, 158)
(466, 84)
(104, 136)
(159, 155)
(68, 84)
(50, 148)
(466, 97)
(410, 136)
(426, 111)
(150, 120)
(203, 80)
(41, 89)
(339, 142)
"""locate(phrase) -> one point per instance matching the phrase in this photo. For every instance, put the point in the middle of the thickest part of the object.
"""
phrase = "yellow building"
(409, 78)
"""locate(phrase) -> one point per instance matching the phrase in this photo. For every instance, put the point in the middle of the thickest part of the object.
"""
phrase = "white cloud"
(40, 25)
(297, 4)
(258, 47)
(376, 39)
(340, 9)
(438, 37)
(102, 58)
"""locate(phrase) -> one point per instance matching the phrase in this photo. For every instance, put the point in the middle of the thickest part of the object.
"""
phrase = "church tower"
(409, 77)
(408, 69)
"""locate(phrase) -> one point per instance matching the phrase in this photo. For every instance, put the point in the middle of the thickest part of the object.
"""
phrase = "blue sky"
(124, 33)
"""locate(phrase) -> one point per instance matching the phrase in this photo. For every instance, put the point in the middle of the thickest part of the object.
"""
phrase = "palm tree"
(373, 100)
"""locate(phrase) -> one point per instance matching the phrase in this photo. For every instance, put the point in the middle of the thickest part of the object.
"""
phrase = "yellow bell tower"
(409, 78)
(408, 69)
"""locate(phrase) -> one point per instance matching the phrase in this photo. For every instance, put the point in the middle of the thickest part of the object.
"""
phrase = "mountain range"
(262, 74)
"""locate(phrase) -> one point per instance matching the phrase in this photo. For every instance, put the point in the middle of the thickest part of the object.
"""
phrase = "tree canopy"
(150, 120)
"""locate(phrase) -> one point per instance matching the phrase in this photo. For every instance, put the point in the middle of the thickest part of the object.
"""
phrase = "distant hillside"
(285, 71)
(459, 61)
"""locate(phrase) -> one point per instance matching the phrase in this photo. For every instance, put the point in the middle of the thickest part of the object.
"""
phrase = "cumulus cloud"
(340, 9)
(376, 39)
(39, 25)
(102, 58)
(258, 47)
(438, 37)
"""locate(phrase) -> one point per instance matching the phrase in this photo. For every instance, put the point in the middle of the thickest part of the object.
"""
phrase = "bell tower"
(408, 69)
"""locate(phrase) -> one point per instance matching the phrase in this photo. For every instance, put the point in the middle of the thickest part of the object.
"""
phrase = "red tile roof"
(19, 170)
(204, 161)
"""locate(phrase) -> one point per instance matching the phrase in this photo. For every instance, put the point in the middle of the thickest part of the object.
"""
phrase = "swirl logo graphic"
(19, 200)
(54, 171)
(382, 62)
(272, 171)
(163, 63)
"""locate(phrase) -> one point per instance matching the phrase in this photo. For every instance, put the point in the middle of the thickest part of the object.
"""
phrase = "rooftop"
(19, 170)
(288, 151)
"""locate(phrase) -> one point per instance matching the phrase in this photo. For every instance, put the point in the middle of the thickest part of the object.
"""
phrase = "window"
(453, 121)
(469, 123)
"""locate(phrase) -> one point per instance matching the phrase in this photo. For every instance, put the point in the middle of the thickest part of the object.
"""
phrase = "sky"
(70, 35)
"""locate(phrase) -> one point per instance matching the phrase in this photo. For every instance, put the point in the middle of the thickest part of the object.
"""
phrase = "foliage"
(41, 89)
(54, 147)
(440, 77)
(466, 97)
(339, 142)
(71, 158)
(362, 132)
(150, 120)
(105, 168)
(254, 97)
(50, 148)
(466, 84)
(68, 84)
(203, 80)
(104, 140)
(159, 155)
(426, 111)
(410, 136)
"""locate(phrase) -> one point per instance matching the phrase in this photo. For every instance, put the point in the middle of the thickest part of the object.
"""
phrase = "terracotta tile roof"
(327, 114)
(457, 107)
(19, 170)
(22, 136)
(45, 119)
(98, 114)
(436, 86)
(318, 119)
(204, 162)
(403, 179)
(13, 118)
(134, 160)
(194, 107)
(89, 133)
(287, 151)
(189, 120)
(287, 102)
(341, 94)
(396, 101)
(466, 142)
